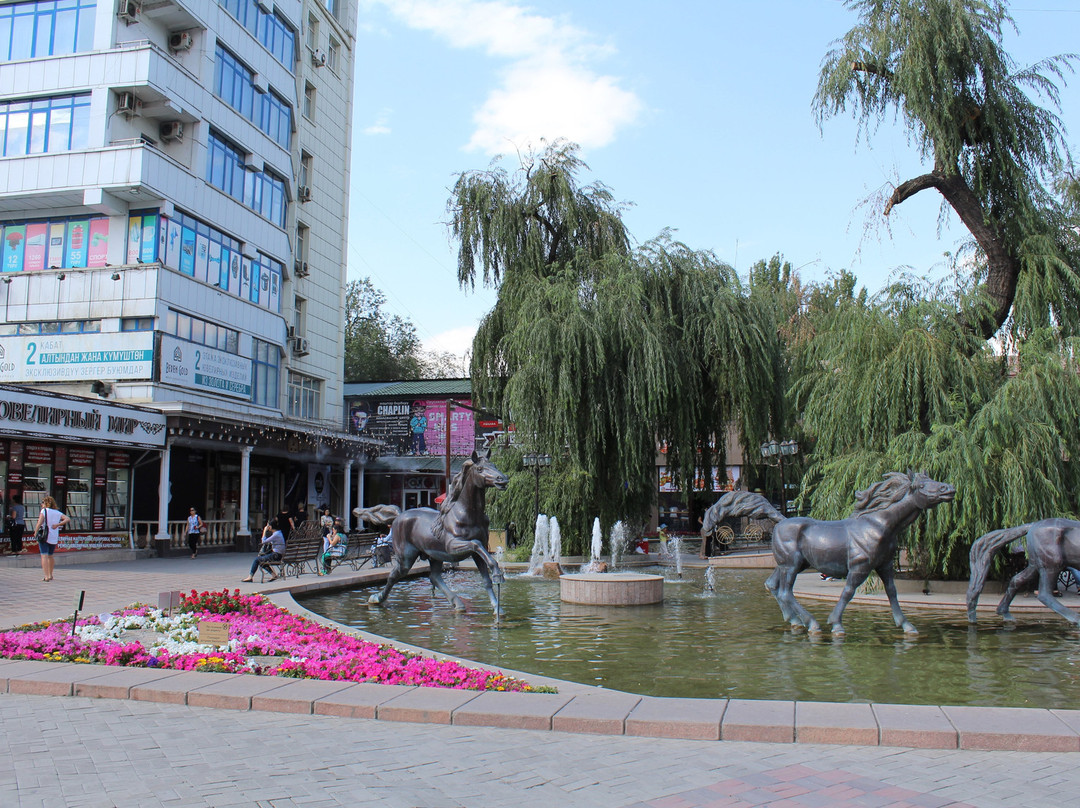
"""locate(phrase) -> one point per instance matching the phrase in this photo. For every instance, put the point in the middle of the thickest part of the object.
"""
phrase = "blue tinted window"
(47, 28)
(44, 125)
(270, 29)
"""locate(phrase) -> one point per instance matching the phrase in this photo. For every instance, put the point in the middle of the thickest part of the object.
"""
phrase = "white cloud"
(457, 341)
(549, 88)
(381, 126)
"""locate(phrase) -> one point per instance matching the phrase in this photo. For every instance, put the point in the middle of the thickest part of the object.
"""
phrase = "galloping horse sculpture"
(456, 531)
(1052, 545)
(852, 548)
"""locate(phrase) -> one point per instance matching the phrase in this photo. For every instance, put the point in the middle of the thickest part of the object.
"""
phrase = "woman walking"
(52, 520)
(195, 528)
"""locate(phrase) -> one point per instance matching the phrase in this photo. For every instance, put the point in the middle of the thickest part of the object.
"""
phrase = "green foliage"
(896, 384)
(940, 66)
(595, 350)
(378, 346)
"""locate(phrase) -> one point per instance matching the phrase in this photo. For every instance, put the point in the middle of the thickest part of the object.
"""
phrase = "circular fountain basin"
(612, 589)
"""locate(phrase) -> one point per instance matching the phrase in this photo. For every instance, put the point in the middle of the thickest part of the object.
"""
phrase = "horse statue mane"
(888, 491)
(453, 493)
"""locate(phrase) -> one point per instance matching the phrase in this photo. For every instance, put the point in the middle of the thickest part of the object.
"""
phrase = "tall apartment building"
(173, 199)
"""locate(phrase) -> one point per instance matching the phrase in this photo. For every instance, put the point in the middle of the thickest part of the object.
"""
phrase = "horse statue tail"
(735, 504)
(378, 514)
(982, 552)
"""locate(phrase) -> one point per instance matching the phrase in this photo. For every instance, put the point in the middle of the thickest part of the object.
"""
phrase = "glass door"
(78, 498)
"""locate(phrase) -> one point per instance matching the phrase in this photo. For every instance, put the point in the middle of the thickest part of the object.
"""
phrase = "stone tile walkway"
(235, 740)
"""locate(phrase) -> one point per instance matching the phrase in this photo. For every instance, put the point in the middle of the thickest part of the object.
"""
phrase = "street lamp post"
(536, 462)
(776, 452)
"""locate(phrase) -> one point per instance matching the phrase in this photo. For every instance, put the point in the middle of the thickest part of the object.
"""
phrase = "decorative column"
(162, 538)
(243, 534)
(347, 507)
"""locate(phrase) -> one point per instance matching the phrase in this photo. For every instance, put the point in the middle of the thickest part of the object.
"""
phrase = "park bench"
(301, 553)
(359, 551)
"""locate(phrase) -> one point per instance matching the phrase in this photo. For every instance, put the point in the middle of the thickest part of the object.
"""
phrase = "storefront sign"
(77, 357)
(73, 541)
(417, 427)
(54, 416)
(202, 368)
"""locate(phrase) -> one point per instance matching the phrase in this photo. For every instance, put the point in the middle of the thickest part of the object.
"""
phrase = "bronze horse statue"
(1052, 545)
(456, 531)
(848, 548)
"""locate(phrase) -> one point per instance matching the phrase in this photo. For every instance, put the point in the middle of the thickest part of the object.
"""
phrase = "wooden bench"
(358, 552)
(301, 553)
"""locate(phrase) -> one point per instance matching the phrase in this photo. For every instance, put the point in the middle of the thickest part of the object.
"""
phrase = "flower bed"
(263, 639)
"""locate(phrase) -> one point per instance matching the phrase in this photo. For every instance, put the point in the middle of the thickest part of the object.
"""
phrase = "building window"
(309, 101)
(332, 50)
(225, 169)
(275, 118)
(266, 373)
(52, 327)
(264, 193)
(137, 324)
(44, 125)
(299, 320)
(303, 234)
(234, 83)
(261, 191)
(312, 32)
(305, 169)
(304, 396)
(331, 6)
(47, 28)
(204, 332)
(270, 29)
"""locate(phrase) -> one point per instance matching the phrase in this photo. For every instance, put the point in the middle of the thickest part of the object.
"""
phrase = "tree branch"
(1003, 266)
(908, 189)
(870, 67)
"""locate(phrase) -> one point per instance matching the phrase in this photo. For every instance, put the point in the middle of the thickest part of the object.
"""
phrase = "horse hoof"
(838, 631)
(910, 630)
(374, 601)
(814, 629)
(459, 605)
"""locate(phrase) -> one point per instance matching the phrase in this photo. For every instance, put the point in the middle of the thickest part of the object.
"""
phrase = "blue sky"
(697, 113)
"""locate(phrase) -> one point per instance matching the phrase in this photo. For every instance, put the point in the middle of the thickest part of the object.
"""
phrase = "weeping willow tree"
(898, 383)
(940, 66)
(597, 350)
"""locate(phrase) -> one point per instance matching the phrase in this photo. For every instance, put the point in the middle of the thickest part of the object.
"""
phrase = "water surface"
(731, 643)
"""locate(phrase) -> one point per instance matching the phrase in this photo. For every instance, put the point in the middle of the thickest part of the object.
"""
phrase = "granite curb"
(599, 711)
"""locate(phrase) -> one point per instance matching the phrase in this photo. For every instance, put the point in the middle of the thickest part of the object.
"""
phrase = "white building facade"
(173, 203)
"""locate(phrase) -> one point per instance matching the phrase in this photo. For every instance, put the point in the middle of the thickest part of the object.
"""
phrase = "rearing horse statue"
(456, 531)
(848, 548)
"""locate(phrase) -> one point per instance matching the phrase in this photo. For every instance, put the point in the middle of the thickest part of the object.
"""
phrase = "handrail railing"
(218, 533)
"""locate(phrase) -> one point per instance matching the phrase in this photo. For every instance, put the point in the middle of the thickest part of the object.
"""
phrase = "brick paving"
(76, 751)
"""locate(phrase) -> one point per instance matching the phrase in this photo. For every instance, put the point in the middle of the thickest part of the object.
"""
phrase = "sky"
(695, 114)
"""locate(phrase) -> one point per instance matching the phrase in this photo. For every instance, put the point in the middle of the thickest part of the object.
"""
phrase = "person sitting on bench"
(273, 547)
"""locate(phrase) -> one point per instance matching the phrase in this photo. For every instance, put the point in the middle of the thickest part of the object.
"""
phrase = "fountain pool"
(730, 643)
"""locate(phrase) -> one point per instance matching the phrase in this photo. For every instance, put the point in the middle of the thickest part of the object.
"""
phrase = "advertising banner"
(318, 486)
(134, 240)
(200, 367)
(37, 246)
(416, 427)
(98, 251)
(77, 357)
(55, 416)
(172, 245)
(57, 245)
(14, 246)
(78, 243)
(187, 251)
(202, 258)
(148, 251)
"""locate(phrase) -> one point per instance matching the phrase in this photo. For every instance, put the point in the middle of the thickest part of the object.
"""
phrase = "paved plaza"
(77, 751)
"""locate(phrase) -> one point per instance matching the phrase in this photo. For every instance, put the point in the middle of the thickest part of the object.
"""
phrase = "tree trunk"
(1003, 268)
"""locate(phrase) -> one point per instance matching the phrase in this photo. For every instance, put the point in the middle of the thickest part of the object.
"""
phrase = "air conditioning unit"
(300, 346)
(128, 105)
(303, 270)
(172, 131)
(303, 193)
(318, 57)
(129, 11)
(290, 331)
(180, 41)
